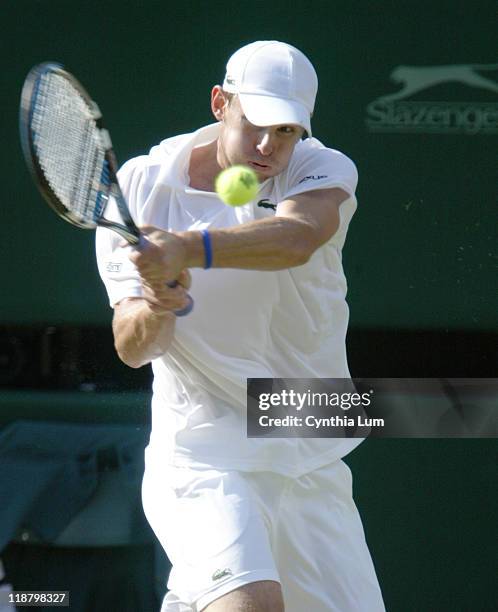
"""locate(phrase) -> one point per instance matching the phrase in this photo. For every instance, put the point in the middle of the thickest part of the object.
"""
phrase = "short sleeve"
(118, 273)
(314, 166)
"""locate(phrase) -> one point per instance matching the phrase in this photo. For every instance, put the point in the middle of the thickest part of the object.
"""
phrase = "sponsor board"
(396, 112)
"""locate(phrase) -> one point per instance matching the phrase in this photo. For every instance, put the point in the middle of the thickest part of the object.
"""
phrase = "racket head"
(68, 151)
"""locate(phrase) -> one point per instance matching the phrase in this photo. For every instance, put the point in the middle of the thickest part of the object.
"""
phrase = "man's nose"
(265, 145)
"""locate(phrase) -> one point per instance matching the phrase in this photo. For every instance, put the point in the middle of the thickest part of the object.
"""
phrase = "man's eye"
(287, 129)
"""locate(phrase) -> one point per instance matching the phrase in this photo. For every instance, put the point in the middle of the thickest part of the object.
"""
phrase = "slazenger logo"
(396, 113)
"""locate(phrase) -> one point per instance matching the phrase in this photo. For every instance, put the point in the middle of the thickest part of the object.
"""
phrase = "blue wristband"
(208, 251)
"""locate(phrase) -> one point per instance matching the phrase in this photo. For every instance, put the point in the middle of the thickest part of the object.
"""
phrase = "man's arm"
(303, 224)
(143, 327)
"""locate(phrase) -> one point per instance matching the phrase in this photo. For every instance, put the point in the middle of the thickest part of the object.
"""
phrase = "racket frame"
(128, 230)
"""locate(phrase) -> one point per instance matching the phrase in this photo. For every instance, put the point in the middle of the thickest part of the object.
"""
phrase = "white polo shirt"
(245, 324)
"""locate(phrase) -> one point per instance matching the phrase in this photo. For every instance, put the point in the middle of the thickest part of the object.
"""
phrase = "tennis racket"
(70, 154)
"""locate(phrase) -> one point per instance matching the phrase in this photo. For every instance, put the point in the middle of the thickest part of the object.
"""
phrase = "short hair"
(229, 97)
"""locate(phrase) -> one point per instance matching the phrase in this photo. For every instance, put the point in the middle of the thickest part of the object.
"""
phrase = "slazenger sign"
(396, 113)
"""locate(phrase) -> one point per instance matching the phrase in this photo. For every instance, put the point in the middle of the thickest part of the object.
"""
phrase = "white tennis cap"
(275, 82)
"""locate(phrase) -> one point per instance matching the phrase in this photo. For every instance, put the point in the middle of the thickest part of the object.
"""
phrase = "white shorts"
(222, 530)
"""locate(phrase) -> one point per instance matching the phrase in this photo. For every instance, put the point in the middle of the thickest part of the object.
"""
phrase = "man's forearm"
(141, 335)
(267, 244)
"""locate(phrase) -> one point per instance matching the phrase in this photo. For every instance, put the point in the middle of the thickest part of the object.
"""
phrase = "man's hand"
(161, 299)
(160, 261)
(162, 257)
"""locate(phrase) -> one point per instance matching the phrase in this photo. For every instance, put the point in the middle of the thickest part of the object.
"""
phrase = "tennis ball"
(237, 185)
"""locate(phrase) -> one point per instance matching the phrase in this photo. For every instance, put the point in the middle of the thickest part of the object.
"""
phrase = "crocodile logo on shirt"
(221, 573)
(265, 203)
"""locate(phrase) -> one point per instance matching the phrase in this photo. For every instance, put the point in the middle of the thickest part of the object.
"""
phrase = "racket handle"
(188, 307)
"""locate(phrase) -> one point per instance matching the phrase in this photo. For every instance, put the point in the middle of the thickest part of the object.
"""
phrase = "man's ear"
(218, 102)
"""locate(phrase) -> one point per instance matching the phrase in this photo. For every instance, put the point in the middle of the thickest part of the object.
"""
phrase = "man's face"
(267, 150)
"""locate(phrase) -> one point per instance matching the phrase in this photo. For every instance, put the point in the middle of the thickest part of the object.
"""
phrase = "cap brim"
(269, 110)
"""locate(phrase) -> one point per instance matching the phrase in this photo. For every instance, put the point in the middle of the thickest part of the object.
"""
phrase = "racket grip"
(188, 307)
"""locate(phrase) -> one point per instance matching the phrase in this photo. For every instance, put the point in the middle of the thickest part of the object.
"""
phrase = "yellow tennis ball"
(237, 185)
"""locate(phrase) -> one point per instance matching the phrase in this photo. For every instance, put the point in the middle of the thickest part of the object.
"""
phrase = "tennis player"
(249, 524)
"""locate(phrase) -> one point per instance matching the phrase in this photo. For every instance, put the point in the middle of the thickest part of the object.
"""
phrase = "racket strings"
(68, 146)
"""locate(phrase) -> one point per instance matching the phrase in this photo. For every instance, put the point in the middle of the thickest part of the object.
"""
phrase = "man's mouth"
(258, 166)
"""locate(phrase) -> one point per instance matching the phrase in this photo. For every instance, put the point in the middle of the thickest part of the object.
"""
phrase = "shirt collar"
(174, 154)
